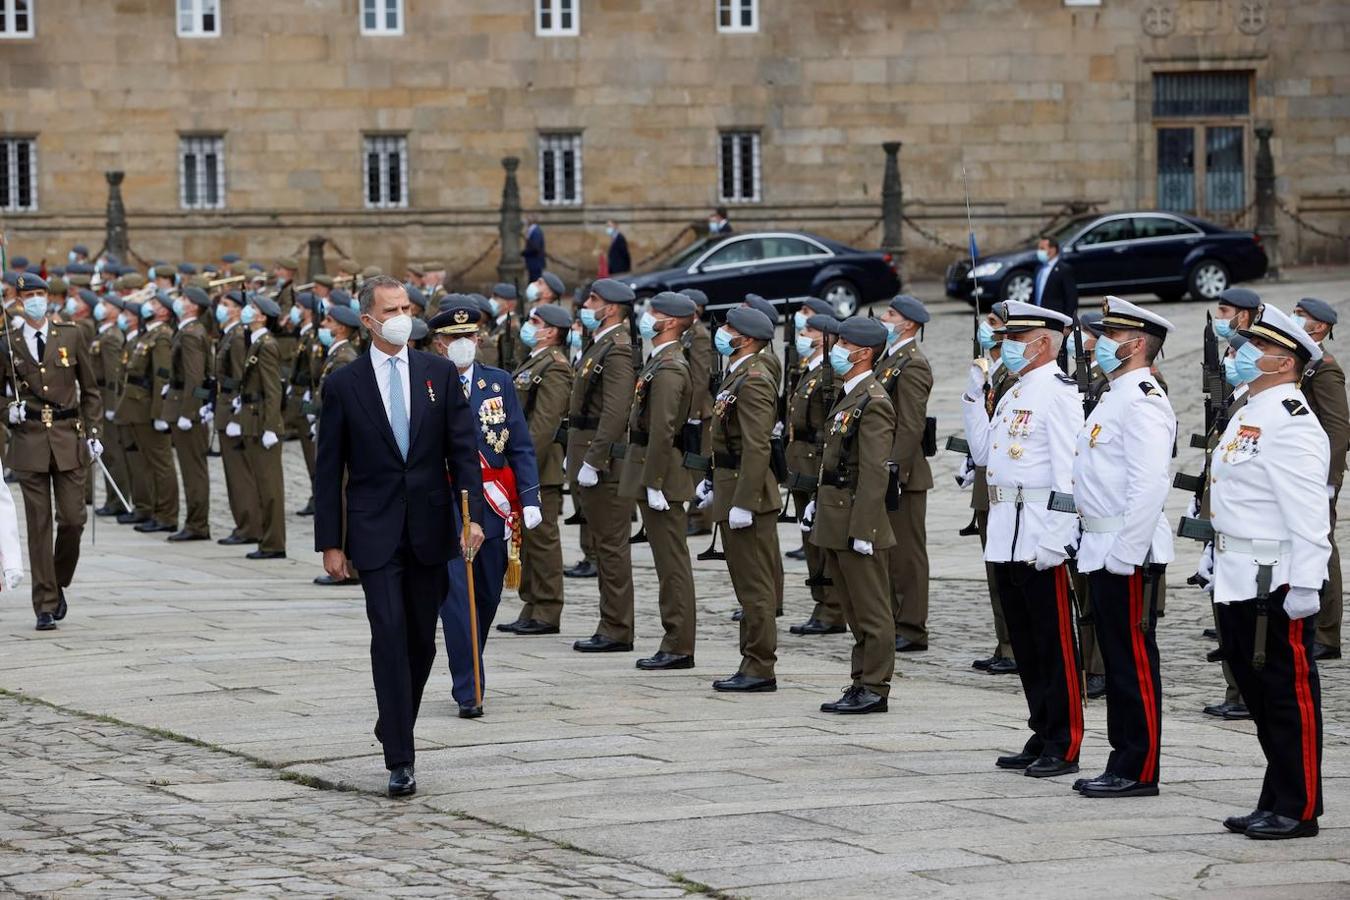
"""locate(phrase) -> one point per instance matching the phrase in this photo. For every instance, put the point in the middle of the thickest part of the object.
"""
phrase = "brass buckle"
(47, 416)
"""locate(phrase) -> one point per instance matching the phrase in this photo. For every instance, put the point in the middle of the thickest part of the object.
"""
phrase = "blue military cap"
(11, 277)
(484, 305)
(19, 262)
(816, 306)
(672, 304)
(1242, 298)
(80, 249)
(187, 269)
(1320, 310)
(58, 270)
(340, 297)
(755, 301)
(911, 308)
(163, 299)
(197, 297)
(699, 298)
(344, 315)
(210, 269)
(29, 281)
(555, 284)
(863, 332)
(1092, 321)
(613, 291)
(89, 297)
(751, 322)
(505, 291)
(234, 297)
(80, 269)
(255, 267)
(419, 329)
(265, 304)
(823, 323)
(552, 314)
(461, 317)
(230, 258)
(415, 295)
(305, 299)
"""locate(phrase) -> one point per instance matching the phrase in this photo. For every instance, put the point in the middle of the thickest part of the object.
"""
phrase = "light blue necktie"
(398, 416)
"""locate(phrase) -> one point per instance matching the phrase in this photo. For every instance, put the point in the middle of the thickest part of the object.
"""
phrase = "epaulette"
(1150, 389)
(61, 324)
(1066, 379)
(1295, 407)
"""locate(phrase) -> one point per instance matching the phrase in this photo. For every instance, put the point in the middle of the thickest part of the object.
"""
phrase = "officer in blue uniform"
(505, 450)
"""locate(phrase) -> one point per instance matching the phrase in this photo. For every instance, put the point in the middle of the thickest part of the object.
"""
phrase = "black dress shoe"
(1236, 712)
(798, 554)
(1002, 666)
(327, 580)
(1323, 651)
(470, 711)
(1079, 782)
(534, 627)
(186, 535)
(61, 606)
(1096, 686)
(1050, 766)
(1016, 760)
(266, 554)
(833, 705)
(583, 569)
(862, 701)
(1240, 824)
(235, 540)
(510, 627)
(46, 622)
(738, 615)
(307, 509)
(130, 518)
(401, 782)
(983, 664)
(109, 509)
(905, 645)
(1281, 828)
(1107, 785)
(1211, 633)
(1215, 655)
(664, 660)
(815, 626)
(150, 526)
(598, 643)
(745, 684)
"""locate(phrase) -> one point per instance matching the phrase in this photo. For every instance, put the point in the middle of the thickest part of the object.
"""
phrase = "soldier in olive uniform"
(191, 354)
(848, 518)
(602, 395)
(1325, 392)
(698, 349)
(240, 485)
(336, 337)
(743, 492)
(809, 406)
(904, 374)
(774, 366)
(106, 354)
(654, 473)
(502, 347)
(258, 423)
(149, 370)
(283, 328)
(304, 368)
(138, 473)
(55, 417)
(543, 385)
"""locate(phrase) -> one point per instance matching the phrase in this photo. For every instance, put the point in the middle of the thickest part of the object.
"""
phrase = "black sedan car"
(782, 266)
(1162, 253)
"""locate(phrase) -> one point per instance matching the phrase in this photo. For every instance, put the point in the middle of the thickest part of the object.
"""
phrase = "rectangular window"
(18, 174)
(1201, 94)
(385, 171)
(560, 169)
(202, 179)
(556, 18)
(738, 167)
(16, 18)
(381, 16)
(737, 15)
(199, 18)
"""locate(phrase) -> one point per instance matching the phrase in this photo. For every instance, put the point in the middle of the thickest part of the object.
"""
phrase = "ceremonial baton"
(473, 603)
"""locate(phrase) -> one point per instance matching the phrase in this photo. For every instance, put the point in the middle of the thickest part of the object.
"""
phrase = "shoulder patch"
(1066, 379)
(1295, 407)
(1150, 389)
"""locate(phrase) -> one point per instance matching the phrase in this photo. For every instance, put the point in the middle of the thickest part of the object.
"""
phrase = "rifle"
(976, 349)
(827, 388)
(1218, 397)
(1082, 372)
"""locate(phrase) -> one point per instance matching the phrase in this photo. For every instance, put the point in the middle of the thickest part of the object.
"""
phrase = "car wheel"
(1019, 286)
(1208, 279)
(843, 296)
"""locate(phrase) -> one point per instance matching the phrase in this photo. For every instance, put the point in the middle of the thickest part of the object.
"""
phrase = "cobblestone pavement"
(651, 772)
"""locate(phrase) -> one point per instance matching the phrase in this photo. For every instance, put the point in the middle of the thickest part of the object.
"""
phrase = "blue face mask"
(1105, 354)
(529, 335)
(70, 307)
(496, 307)
(179, 308)
(647, 326)
(574, 340)
(222, 314)
(1014, 356)
(722, 340)
(1230, 374)
(805, 347)
(1244, 363)
(611, 231)
(1223, 328)
(1042, 256)
(326, 337)
(588, 319)
(295, 315)
(1300, 320)
(986, 336)
(147, 310)
(1071, 347)
(35, 307)
(532, 292)
(892, 331)
(799, 320)
(248, 314)
(123, 322)
(839, 360)
(100, 311)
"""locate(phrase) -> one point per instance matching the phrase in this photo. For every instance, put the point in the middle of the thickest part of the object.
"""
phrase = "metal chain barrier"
(562, 262)
(663, 250)
(1304, 223)
(930, 236)
(856, 239)
(465, 270)
(1239, 217)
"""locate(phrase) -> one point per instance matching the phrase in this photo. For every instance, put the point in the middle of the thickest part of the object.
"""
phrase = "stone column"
(115, 237)
(1266, 201)
(892, 207)
(511, 265)
(316, 263)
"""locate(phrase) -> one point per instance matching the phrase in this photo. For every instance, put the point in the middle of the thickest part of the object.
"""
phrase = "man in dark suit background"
(394, 424)
(1054, 286)
(534, 248)
(617, 258)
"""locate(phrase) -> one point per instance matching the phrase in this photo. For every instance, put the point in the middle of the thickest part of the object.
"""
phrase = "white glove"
(269, 439)
(704, 494)
(809, 516)
(1204, 572)
(305, 399)
(108, 414)
(589, 476)
(95, 447)
(17, 413)
(311, 418)
(161, 426)
(13, 578)
(778, 429)
(233, 430)
(1301, 602)
(314, 431)
(975, 382)
(656, 499)
(532, 516)
(1048, 559)
(740, 518)
(862, 547)
(184, 423)
(237, 404)
(164, 391)
(1116, 566)
(1331, 490)
(965, 476)
(1193, 508)
(206, 413)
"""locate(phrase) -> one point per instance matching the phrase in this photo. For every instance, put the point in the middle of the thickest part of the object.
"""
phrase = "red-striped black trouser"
(1125, 610)
(1285, 698)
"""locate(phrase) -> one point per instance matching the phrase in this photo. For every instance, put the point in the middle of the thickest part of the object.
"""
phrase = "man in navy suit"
(1054, 286)
(534, 248)
(510, 482)
(396, 431)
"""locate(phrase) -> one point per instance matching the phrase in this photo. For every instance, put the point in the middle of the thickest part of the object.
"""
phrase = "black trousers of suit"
(403, 598)
(1125, 609)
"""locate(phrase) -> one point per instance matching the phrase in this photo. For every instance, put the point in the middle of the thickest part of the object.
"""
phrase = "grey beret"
(1092, 321)
(751, 322)
(612, 291)
(696, 295)
(210, 269)
(325, 280)
(555, 284)
(821, 322)
(19, 262)
(1242, 298)
(268, 306)
(230, 258)
(484, 305)
(415, 295)
(197, 296)
(552, 314)
(816, 306)
(755, 301)
(187, 268)
(81, 249)
(1320, 310)
(305, 299)
(89, 297)
(505, 291)
(344, 315)
(29, 281)
(58, 270)
(673, 304)
(911, 308)
(419, 329)
(340, 297)
(863, 332)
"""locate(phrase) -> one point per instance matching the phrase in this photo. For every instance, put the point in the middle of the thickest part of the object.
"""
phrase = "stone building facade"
(382, 123)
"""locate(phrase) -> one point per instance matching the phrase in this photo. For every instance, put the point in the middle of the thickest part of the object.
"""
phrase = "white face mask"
(396, 330)
(461, 352)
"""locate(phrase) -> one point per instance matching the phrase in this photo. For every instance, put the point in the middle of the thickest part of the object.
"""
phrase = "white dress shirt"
(380, 361)
(30, 337)
(1042, 276)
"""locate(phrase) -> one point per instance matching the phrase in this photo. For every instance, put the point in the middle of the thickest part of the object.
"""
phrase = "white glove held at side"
(1302, 602)
(269, 439)
(656, 499)
(589, 476)
(740, 518)
(532, 516)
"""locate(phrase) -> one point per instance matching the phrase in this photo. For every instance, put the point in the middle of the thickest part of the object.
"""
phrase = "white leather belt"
(999, 494)
(1263, 552)
(1102, 524)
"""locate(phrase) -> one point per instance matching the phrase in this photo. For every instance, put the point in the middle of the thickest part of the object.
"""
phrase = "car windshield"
(1072, 227)
(686, 256)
